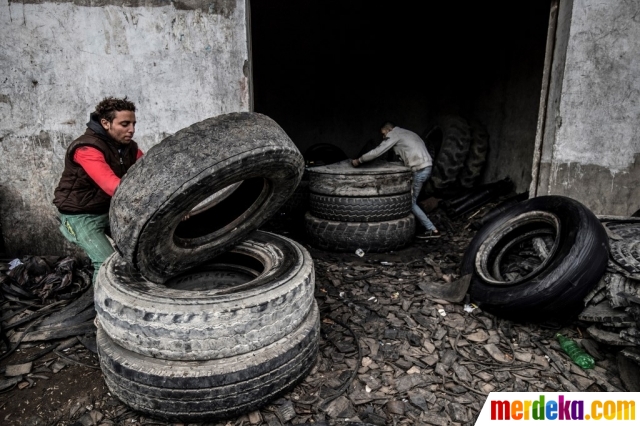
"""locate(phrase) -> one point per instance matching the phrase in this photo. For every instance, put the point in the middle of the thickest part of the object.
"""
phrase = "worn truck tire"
(182, 171)
(453, 150)
(358, 209)
(196, 391)
(377, 237)
(241, 301)
(374, 179)
(477, 157)
(556, 288)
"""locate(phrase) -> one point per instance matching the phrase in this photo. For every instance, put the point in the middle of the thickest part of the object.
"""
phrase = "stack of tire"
(367, 208)
(200, 316)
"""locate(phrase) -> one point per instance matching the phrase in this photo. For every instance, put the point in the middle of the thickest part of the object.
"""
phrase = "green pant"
(88, 231)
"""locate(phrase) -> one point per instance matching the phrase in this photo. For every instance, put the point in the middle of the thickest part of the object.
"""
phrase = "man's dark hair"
(388, 125)
(108, 106)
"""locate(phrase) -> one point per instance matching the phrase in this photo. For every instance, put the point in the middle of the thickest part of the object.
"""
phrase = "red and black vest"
(77, 192)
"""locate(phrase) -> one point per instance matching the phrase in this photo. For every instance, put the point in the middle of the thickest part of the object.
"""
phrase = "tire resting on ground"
(477, 156)
(368, 209)
(377, 237)
(204, 390)
(453, 151)
(158, 321)
(173, 177)
(559, 287)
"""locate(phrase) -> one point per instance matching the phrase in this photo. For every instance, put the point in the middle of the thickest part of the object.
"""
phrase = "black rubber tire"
(195, 391)
(376, 237)
(456, 137)
(183, 170)
(477, 157)
(356, 209)
(299, 200)
(230, 317)
(557, 291)
(374, 179)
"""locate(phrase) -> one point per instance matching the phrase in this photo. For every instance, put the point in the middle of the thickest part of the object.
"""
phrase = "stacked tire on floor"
(200, 316)
(367, 208)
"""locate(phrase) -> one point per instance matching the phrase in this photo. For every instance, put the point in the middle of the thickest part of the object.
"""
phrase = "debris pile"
(613, 307)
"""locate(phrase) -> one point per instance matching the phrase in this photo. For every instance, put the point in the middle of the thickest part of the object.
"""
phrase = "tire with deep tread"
(182, 171)
(374, 179)
(195, 391)
(453, 151)
(477, 157)
(557, 288)
(358, 209)
(223, 317)
(377, 237)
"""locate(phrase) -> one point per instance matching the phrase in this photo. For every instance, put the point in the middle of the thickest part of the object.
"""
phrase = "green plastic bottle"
(575, 352)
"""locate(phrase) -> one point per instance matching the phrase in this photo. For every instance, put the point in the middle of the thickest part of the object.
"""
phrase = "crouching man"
(93, 166)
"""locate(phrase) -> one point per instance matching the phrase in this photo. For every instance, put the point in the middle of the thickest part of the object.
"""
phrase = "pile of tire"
(199, 315)
(573, 251)
(367, 208)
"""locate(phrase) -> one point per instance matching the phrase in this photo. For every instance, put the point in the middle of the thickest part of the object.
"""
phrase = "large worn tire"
(185, 169)
(374, 179)
(453, 151)
(477, 156)
(555, 289)
(244, 300)
(195, 391)
(356, 209)
(377, 237)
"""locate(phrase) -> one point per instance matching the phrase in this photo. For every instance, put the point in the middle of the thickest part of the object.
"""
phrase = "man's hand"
(355, 162)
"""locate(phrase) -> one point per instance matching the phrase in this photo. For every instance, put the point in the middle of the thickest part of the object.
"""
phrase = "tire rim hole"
(520, 249)
(224, 215)
(214, 199)
(227, 273)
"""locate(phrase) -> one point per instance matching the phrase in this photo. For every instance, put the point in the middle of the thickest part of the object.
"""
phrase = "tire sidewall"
(578, 263)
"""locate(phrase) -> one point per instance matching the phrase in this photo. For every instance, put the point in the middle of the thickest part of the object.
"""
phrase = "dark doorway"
(333, 71)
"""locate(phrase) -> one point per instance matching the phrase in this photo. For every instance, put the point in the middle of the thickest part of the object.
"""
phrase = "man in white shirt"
(411, 148)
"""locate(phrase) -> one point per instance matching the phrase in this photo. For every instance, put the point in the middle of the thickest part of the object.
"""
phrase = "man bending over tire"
(93, 166)
(411, 148)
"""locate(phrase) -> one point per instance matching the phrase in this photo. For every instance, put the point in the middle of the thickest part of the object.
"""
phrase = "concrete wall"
(591, 142)
(181, 62)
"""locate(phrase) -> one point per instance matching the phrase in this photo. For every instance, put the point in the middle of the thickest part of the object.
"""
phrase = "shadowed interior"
(225, 215)
(224, 272)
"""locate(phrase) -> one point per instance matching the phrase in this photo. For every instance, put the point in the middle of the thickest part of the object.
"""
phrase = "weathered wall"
(591, 138)
(180, 62)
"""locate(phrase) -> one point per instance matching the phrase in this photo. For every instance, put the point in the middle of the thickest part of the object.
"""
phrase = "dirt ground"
(415, 360)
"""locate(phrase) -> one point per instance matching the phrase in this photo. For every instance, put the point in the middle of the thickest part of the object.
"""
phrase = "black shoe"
(429, 234)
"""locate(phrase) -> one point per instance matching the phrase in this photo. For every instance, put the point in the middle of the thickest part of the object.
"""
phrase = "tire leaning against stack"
(176, 176)
(366, 208)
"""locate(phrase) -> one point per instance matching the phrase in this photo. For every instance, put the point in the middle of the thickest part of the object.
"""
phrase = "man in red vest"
(93, 166)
